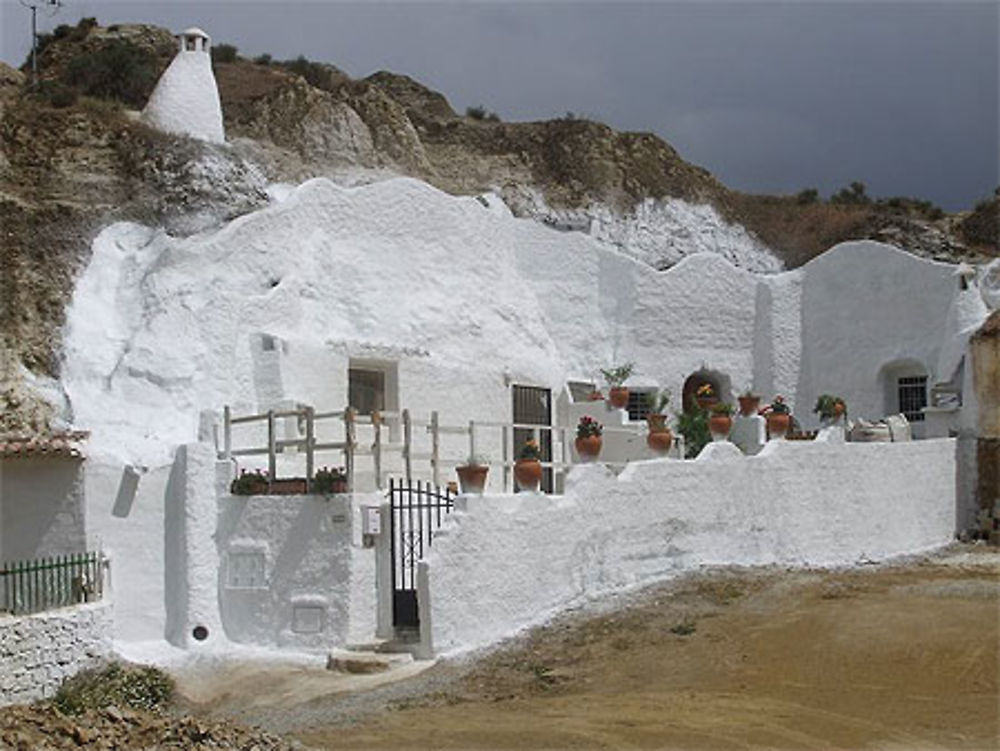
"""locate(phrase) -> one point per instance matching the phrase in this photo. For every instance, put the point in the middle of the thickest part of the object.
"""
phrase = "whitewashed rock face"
(186, 98)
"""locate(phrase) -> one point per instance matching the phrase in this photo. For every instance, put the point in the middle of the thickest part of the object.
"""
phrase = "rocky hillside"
(74, 157)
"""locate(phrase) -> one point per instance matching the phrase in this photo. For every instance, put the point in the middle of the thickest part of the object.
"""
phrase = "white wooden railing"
(351, 448)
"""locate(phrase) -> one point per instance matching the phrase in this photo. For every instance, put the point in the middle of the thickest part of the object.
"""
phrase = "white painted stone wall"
(38, 652)
(304, 581)
(505, 562)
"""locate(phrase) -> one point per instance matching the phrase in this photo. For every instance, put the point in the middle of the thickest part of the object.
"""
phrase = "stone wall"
(38, 652)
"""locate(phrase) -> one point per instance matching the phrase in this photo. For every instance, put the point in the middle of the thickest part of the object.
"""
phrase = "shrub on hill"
(120, 70)
(982, 226)
(224, 53)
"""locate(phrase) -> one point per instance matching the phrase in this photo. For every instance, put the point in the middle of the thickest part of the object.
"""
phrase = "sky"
(771, 97)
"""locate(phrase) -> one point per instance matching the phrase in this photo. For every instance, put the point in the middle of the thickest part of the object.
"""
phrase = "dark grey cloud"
(769, 96)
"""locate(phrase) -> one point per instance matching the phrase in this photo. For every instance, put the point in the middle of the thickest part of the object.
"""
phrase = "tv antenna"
(53, 6)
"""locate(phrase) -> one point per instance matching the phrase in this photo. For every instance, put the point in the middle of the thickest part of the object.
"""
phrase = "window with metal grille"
(912, 396)
(638, 403)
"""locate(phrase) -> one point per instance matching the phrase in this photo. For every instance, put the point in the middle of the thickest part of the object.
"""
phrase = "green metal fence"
(50, 583)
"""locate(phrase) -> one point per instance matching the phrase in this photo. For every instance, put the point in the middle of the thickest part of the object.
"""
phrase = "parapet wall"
(502, 563)
(38, 652)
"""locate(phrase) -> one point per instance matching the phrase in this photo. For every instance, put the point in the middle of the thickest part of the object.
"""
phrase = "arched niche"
(720, 382)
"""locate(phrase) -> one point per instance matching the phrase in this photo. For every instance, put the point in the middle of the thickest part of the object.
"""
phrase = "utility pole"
(33, 5)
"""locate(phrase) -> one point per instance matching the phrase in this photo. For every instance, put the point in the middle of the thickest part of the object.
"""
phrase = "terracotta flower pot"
(660, 441)
(778, 423)
(472, 478)
(618, 396)
(528, 473)
(588, 447)
(749, 405)
(720, 425)
(838, 410)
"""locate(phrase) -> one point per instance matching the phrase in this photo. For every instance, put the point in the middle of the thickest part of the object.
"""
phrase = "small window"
(581, 390)
(366, 390)
(638, 407)
(912, 397)
(307, 619)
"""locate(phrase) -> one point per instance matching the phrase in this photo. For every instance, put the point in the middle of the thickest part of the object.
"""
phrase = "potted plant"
(588, 438)
(249, 483)
(528, 467)
(830, 408)
(659, 438)
(693, 425)
(705, 395)
(778, 417)
(328, 480)
(615, 378)
(749, 402)
(720, 420)
(472, 474)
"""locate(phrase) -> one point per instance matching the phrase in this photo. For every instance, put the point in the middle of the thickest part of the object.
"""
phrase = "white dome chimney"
(186, 98)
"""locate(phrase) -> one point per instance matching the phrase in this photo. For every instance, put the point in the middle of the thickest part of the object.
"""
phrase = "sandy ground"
(901, 656)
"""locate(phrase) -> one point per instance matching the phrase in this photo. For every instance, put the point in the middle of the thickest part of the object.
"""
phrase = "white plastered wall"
(41, 508)
(504, 562)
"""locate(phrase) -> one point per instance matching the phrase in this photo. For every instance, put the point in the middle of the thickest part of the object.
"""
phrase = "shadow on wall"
(43, 508)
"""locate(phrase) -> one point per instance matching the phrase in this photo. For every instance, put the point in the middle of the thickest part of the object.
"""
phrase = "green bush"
(693, 425)
(57, 94)
(264, 59)
(119, 70)
(982, 226)
(224, 53)
(853, 194)
(132, 686)
(807, 196)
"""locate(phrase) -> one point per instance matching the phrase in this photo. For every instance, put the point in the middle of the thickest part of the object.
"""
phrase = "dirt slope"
(900, 657)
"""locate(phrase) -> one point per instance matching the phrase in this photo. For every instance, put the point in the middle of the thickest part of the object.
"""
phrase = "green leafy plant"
(778, 406)
(693, 425)
(588, 427)
(826, 406)
(722, 408)
(530, 450)
(656, 403)
(617, 375)
(476, 460)
(327, 480)
(249, 483)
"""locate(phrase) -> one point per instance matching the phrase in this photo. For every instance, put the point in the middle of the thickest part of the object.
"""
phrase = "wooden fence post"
(435, 439)
(272, 459)
(377, 448)
(227, 446)
(349, 447)
(504, 440)
(310, 443)
(407, 439)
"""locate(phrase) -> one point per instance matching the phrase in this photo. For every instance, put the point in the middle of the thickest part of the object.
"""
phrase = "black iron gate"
(416, 511)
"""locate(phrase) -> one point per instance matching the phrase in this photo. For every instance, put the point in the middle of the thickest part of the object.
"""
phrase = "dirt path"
(897, 657)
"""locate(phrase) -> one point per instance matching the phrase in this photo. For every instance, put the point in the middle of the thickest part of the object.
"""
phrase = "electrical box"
(371, 520)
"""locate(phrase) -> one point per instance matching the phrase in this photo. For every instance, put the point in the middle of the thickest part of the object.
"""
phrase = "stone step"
(346, 661)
